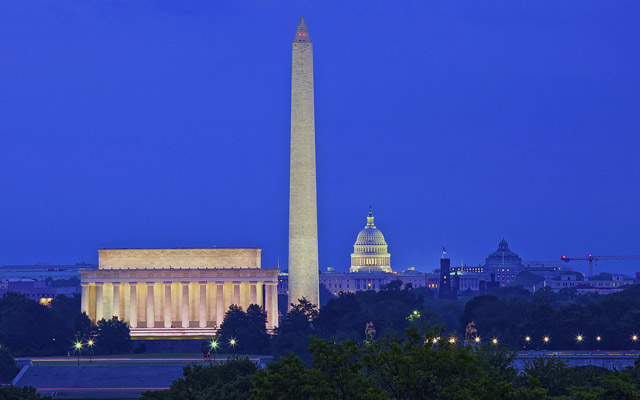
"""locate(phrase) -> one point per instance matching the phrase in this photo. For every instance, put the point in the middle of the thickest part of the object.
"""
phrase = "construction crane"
(591, 258)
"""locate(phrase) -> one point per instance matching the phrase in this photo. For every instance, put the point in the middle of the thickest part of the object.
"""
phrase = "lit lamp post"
(598, 340)
(494, 341)
(477, 339)
(546, 340)
(90, 344)
(634, 339)
(579, 339)
(214, 347)
(232, 343)
(527, 340)
(78, 348)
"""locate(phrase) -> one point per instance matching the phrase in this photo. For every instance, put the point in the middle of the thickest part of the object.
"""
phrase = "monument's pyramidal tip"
(302, 33)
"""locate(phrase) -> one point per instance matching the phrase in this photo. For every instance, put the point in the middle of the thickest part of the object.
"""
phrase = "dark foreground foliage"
(401, 367)
(229, 380)
(20, 393)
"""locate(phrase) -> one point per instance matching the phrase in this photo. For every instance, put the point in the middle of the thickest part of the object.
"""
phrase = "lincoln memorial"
(177, 292)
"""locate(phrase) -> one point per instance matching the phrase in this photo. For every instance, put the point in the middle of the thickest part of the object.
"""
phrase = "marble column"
(236, 293)
(133, 305)
(115, 309)
(84, 301)
(260, 295)
(272, 303)
(203, 304)
(151, 318)
(220, 303)
(212, 307)
(253, 292)
(167, 305)
(99, 301)
(268, 300)
(185, 304)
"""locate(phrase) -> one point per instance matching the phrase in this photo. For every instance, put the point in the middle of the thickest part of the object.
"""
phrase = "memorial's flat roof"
(176, 248)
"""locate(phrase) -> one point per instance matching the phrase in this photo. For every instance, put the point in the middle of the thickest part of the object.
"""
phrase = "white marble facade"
(177, 292)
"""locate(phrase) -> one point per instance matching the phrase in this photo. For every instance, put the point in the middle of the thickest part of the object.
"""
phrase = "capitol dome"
(370, 250)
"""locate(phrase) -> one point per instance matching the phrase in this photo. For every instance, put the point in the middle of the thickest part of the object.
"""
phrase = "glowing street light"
(90, 344)
(579, 338)
(214, 347)
(634, 338)
(527, 339)
(78, 349)
(477, 339)
(452, 340)
(598, 338)
(546, 339)
(494, 341)
(232, 342)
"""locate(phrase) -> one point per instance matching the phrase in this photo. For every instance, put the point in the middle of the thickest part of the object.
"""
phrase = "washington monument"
(303, 219)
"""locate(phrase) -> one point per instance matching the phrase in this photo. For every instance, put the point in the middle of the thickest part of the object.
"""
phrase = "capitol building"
(370, 250)
(370, 266)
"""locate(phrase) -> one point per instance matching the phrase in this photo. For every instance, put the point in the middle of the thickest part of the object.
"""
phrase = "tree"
(230, 380)
(10, 392)
(247, 330)
(288, 379)
(8, 368)
(294, 330)
(29, 328)
(112, 337)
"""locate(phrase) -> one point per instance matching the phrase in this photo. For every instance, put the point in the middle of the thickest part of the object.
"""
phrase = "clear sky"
(155, 123)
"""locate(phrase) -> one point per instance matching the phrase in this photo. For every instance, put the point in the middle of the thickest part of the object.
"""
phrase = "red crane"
(591, 258)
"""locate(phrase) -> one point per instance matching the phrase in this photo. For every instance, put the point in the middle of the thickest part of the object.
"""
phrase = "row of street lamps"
(78, 346)
(494, 341)
(527, 339)
(214, 346)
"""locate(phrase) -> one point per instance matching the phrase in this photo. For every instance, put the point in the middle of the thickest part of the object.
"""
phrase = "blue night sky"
(154, 123)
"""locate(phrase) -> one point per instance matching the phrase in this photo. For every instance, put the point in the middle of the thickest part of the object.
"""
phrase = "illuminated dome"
(370, 250)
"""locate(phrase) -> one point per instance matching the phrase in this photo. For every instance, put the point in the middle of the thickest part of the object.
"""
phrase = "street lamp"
(494, 341)
(232, 343)
(78, 347)
(477, 339)
(579, 338)
(90, 344)
(546, 339)
(214, 346)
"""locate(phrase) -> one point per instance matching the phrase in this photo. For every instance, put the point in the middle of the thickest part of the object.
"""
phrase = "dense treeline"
(509, 314)
(28, 328)
(400, 367)
(512, 314)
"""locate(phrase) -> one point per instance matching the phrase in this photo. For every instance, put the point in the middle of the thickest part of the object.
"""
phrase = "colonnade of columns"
(168, 304)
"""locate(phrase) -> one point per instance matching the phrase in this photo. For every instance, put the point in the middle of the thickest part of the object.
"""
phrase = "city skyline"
(449, 144)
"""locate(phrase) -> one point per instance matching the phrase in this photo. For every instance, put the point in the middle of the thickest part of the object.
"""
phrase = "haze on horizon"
(163, 124)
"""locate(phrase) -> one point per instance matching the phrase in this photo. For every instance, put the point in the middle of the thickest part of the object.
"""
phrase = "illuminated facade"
(303, 219)
(177, 292)
(370, 250)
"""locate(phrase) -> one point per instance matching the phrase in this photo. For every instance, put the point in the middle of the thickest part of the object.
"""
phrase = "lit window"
(46, 301)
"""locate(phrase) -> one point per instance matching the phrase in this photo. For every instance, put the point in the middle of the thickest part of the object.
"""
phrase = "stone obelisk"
(303, 219)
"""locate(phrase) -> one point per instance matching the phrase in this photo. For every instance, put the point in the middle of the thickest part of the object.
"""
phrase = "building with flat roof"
(177, 292)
